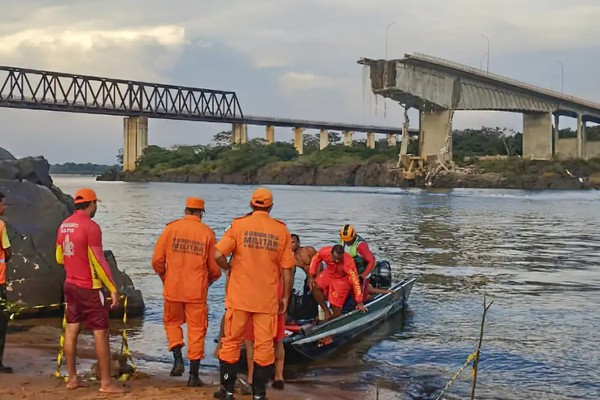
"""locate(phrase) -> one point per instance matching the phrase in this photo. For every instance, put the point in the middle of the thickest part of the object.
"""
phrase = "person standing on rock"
(4, 315)
(79, 249)
(184, 260)
(262, 256)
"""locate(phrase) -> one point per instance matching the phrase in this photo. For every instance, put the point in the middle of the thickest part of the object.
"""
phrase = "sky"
(285, 58)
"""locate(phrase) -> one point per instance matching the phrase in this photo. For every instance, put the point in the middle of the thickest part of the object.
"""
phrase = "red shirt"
(363, 250)
(79, 249)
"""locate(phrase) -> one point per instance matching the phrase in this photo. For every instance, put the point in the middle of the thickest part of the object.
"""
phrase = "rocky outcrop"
(346, 174)
(34, 210)
(382, 174)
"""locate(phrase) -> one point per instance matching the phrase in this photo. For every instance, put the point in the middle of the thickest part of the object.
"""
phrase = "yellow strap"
(124, 345)
(61, 347)
(470, 359)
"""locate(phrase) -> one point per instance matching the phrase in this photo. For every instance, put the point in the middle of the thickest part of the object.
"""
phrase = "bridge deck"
(58, 91)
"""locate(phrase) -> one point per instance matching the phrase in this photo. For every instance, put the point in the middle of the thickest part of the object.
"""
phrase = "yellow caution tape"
(61, 348)
(124, 345)
(469, 361)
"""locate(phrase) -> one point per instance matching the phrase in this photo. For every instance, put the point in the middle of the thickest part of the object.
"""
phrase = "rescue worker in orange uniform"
(335, 281)
(184, 260)
(262, 256)
(79, 249)
(278, 382)
(4, 257)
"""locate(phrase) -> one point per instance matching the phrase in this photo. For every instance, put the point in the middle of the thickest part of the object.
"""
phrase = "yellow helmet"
(347, 233)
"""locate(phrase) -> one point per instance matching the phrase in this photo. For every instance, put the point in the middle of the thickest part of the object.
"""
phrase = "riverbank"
(513, 173)
(32, 354)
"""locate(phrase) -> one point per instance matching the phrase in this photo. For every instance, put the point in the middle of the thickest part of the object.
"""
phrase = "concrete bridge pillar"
(581, 137)
(240, 133)
(135, 140)
(555, 149)
(370, 140)
(537, 135)
(299, 140)
(323, 139)
(347, 138)
(433, 131)
(270, 134)
(392, 140)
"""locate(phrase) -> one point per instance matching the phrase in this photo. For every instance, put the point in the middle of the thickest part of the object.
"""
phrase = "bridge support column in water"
(537, 135)
(135, 140)
(392, 140)
(299, 140)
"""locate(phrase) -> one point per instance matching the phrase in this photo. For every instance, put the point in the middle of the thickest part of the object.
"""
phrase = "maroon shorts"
(86, 305)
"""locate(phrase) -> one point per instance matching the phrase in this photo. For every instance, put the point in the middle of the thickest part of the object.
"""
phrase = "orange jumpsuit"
(261, 247)
(336, 280)
(184, 259)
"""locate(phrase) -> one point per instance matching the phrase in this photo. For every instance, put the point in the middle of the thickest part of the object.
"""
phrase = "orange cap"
(85, 195)
(195, 203)
(262, 197)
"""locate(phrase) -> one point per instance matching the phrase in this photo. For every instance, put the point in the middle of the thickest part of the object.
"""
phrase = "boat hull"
(321, 341)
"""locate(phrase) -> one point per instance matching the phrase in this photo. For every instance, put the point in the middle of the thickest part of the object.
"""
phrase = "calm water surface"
(536, 254)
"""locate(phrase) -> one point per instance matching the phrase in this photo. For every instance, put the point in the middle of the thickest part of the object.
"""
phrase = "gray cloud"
(288, 58)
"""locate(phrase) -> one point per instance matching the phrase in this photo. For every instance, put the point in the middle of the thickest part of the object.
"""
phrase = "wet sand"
(32, 354)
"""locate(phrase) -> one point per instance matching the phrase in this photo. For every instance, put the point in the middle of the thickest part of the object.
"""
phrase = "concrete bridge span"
(438, 87)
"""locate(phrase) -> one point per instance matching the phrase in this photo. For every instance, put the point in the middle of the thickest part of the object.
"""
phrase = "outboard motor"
(381, 277)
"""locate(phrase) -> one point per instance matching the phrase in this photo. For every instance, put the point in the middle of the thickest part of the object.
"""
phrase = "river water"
(536, 254)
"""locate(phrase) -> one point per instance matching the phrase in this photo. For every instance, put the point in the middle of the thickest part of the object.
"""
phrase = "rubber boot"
(259, 381)
(178, 366)
(4, 318)
(3, 368)
(194, 380)
(228, 379)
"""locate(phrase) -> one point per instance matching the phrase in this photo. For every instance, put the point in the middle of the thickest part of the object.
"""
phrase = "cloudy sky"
(283, 58)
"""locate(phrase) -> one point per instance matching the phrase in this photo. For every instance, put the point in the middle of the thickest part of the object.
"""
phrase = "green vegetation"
(79, 169)
(485, 142)
(220, 158)
(592, 132)
(520, 167)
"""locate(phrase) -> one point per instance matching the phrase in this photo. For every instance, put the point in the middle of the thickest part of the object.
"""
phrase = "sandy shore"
(32, 355)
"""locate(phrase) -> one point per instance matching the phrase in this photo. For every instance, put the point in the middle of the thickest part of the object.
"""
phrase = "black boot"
(178, 366)
(228, 379)
(259, 381)
(4, 318)
(194, 380)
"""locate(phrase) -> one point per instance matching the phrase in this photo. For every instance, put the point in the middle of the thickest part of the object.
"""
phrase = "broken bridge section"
(438, 87)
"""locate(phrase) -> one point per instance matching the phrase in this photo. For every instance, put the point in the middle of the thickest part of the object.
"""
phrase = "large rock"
(34, 210)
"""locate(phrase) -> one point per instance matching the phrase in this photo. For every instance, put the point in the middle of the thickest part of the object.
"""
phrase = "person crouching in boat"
(336, 280)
